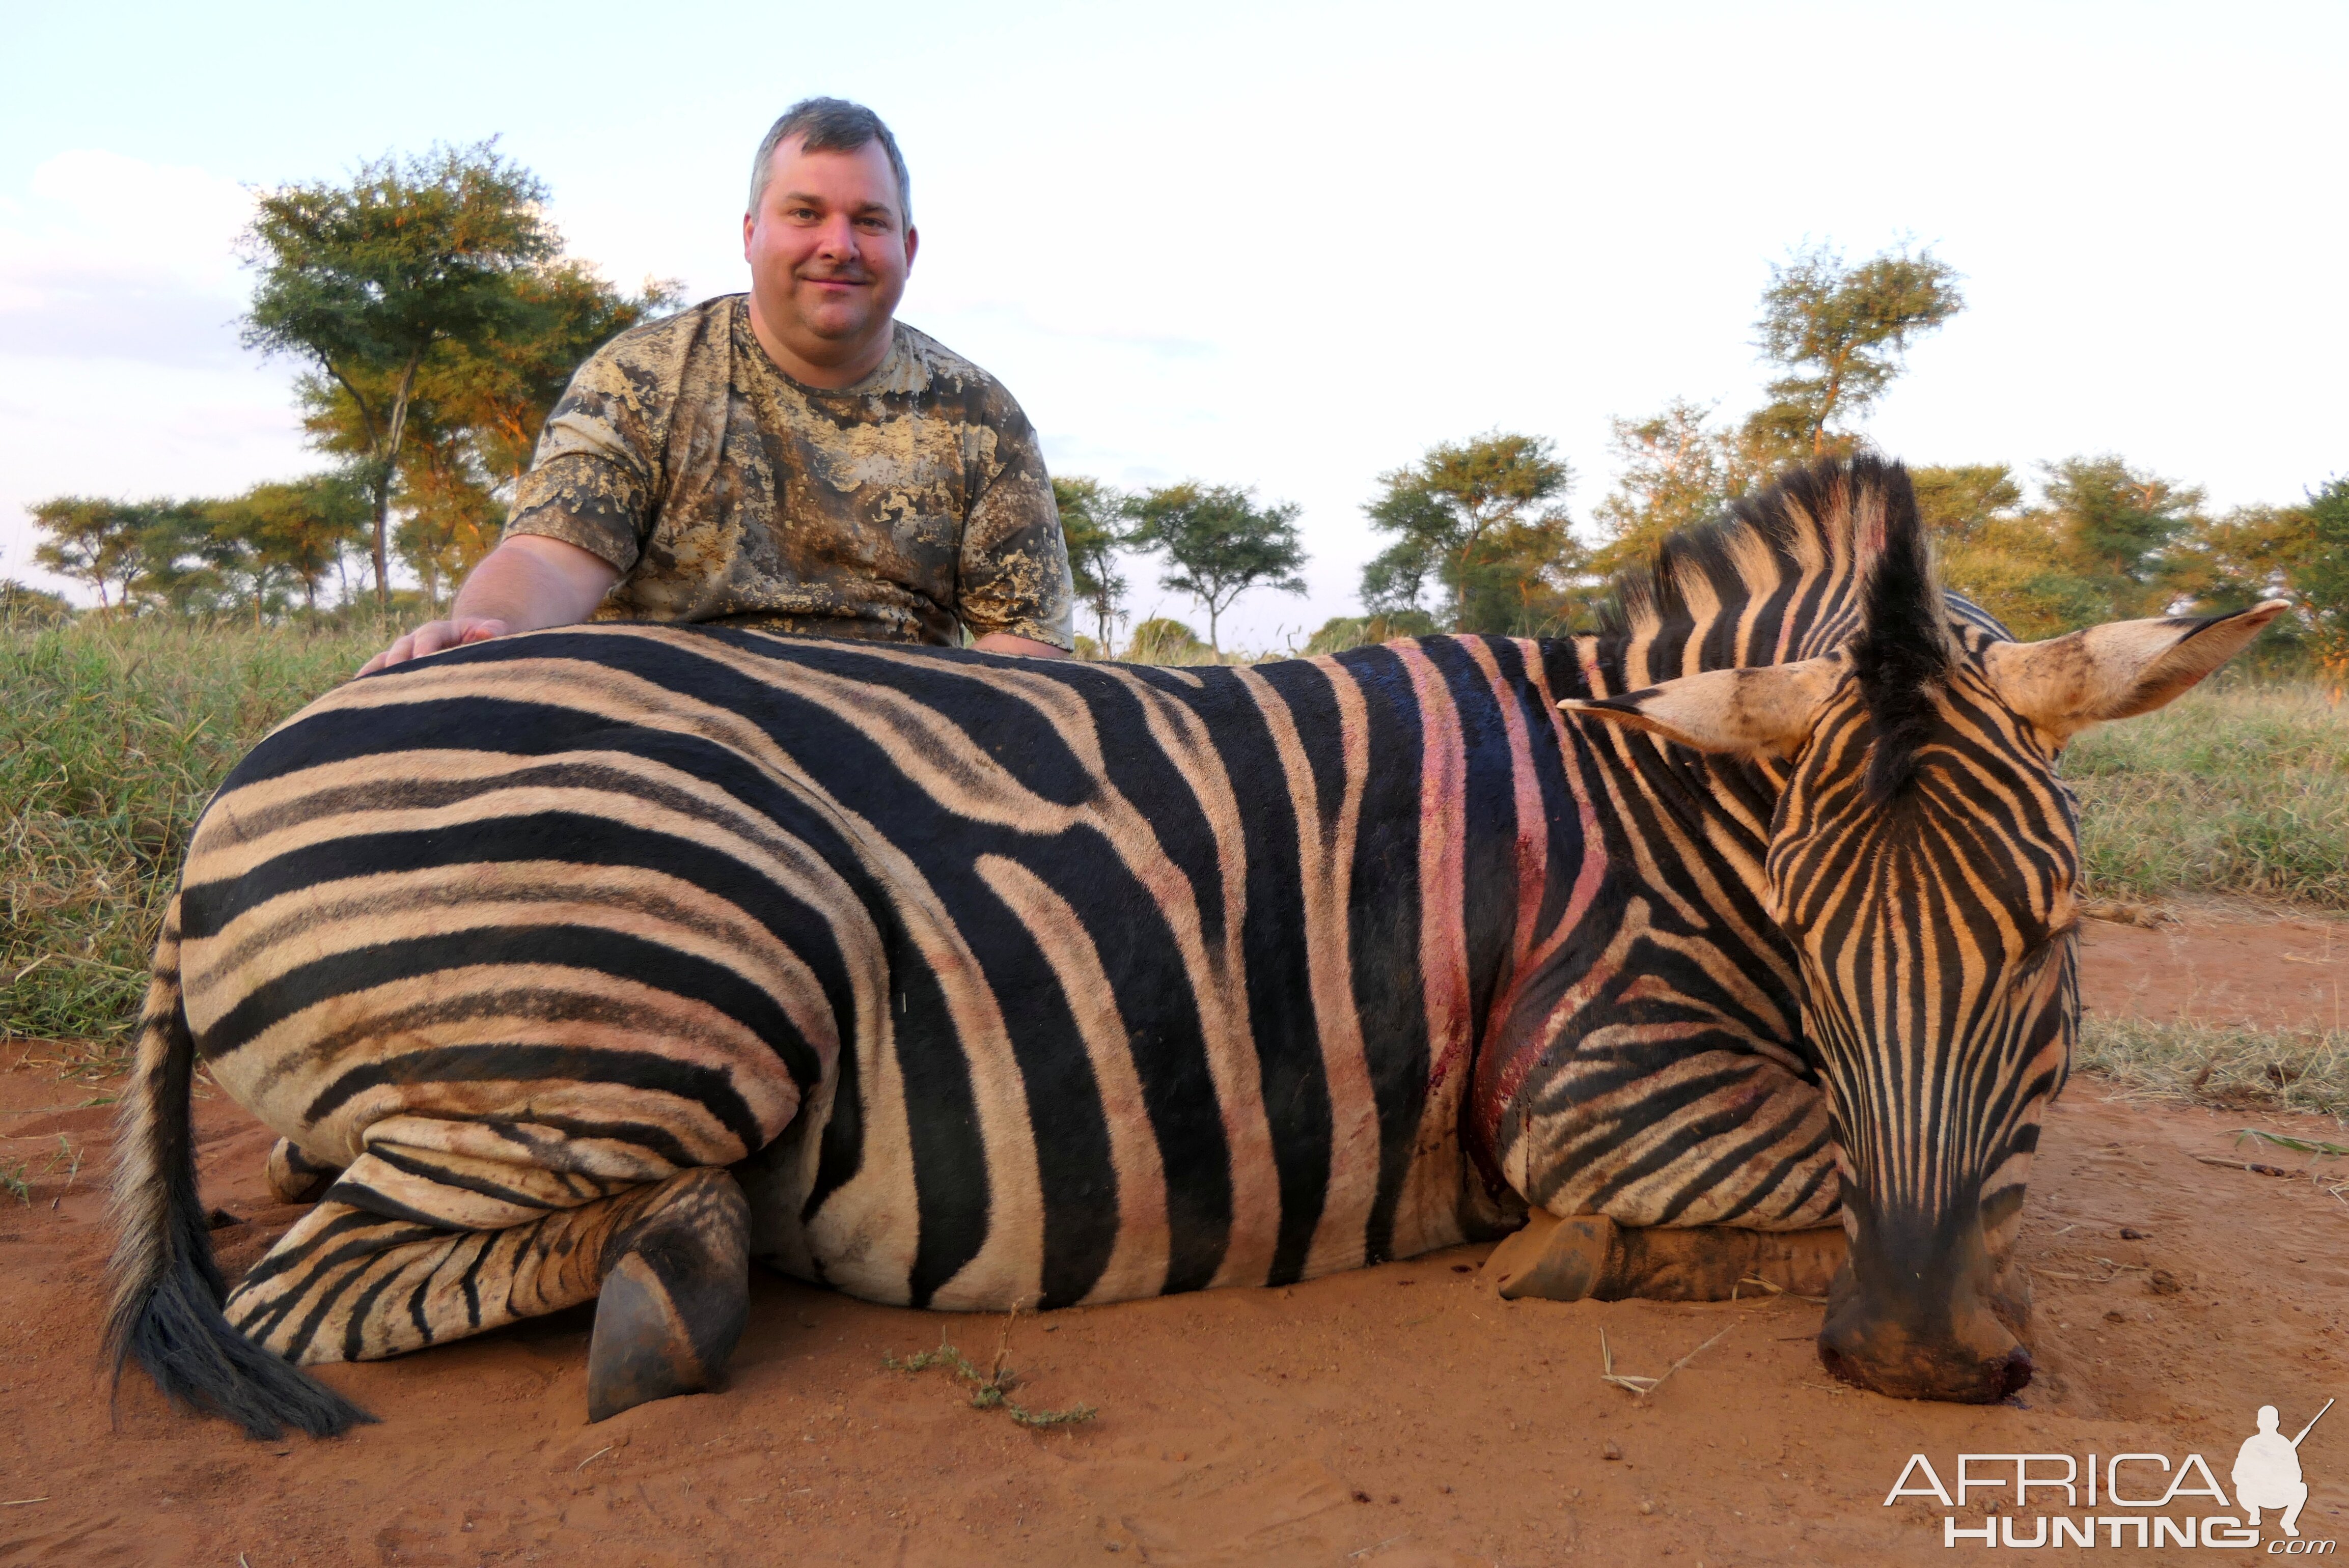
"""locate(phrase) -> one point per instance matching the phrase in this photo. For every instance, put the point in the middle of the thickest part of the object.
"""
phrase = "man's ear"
(1768, 710)
(2119, 669)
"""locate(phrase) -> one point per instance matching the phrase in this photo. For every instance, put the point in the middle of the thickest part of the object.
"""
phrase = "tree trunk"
(1826, 408)
(396, 427)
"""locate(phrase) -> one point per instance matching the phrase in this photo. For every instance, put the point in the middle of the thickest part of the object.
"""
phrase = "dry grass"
(2225, 1066)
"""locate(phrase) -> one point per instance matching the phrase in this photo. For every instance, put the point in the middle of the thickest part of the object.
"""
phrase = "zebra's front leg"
(414, 1245)
(1589, 1256)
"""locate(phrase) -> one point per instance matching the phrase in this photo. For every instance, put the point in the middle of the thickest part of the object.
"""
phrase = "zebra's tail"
(166, 1311)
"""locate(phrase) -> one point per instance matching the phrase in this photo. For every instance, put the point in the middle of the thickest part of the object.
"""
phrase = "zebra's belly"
(1126, 1237)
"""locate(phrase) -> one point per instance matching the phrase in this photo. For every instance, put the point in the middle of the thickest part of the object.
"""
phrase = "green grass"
(113, 736)
(2229, 1066)
(2240, 790)
(992, 1389)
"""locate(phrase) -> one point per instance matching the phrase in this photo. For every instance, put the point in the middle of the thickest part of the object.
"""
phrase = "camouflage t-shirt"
(722, 490)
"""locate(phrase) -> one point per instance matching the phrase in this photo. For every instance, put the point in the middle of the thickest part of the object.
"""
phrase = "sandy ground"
(1402, 1414)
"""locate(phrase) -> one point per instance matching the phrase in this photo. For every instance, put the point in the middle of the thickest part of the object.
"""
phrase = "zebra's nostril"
(2017, 1374)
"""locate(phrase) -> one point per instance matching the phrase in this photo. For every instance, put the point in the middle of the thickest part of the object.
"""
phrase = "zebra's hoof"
(296, 1178)
(675, 1295)
(1556, 1260)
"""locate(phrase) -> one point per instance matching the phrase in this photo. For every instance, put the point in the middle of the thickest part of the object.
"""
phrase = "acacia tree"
(298, 529)
(2321, 573)
(365, 280)
(2118, 522)
(498, 389)
(1675, 470)
(1840, 333)
(92, 541)
(1089, 511)
(1472, 514)
(453, 519)
(1218, 544)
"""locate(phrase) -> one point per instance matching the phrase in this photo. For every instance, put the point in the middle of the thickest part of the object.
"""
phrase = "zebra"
(593, 963)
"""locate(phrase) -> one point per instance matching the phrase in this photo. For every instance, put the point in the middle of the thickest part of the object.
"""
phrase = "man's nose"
(837, 238)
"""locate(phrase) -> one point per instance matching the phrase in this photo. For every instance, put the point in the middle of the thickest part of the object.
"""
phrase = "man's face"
(829, 250)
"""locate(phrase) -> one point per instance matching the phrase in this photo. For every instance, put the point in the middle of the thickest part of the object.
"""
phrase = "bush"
(1161, 640)
(1343, 632)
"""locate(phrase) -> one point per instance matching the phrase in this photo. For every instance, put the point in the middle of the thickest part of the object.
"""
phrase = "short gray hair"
(831, 125)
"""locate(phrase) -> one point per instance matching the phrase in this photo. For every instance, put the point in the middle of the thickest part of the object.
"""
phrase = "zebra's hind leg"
(1589, 1256)
(675, 1295)
(414, 1245)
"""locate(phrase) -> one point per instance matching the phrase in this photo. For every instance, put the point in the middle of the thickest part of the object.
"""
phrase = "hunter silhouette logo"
(2267, 1471)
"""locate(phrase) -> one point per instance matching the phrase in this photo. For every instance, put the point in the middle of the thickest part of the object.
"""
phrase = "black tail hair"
(168, 1291)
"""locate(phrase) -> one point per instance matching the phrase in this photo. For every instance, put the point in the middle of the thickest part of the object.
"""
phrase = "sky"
(1286, 247)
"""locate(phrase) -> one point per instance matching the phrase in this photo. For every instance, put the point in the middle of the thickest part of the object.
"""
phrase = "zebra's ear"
(1767, 711)
(2119, 669)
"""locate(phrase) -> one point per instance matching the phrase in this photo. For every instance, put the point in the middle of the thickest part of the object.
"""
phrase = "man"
(794, 460)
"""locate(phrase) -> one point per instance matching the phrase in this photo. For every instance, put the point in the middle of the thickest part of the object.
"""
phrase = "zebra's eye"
(2036, 956)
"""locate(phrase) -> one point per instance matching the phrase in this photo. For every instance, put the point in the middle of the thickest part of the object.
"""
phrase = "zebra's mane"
(1830, 556)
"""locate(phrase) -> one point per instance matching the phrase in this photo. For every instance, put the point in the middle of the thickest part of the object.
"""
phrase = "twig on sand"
(1775, 1290)
(2253, 1166)
(1643, 1387)
(1361, 1551)
(21, 1501)
(1003, 1347)
(2118, 1270)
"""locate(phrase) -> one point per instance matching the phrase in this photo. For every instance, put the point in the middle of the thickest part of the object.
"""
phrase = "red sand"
(1401, 1415)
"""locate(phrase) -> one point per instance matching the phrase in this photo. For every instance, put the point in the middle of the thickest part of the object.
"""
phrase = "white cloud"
(113, 257)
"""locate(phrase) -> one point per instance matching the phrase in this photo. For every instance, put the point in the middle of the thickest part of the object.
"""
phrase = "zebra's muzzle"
(1948, 1331)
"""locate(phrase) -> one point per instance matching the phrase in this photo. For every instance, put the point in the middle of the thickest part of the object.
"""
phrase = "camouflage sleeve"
(593, 481)
(1014, 573)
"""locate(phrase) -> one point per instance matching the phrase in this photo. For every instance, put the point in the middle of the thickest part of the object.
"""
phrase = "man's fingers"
(430, 638)
(400, 653)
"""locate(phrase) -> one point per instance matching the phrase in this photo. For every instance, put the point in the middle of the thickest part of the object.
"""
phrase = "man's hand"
(434, 635)
(1025, 647)
(527, 583)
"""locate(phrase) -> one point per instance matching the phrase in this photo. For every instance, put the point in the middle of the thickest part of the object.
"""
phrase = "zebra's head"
(1923, 864)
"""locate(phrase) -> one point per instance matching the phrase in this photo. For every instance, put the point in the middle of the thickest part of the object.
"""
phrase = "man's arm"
(528, 583)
